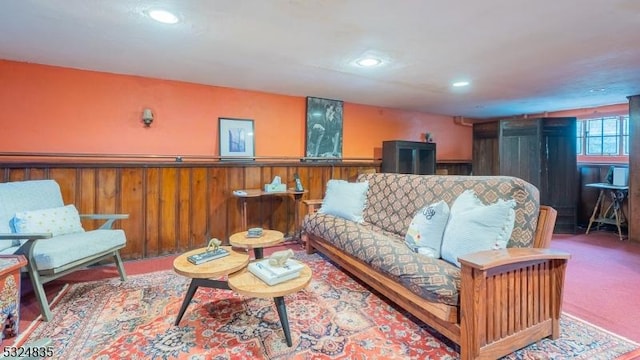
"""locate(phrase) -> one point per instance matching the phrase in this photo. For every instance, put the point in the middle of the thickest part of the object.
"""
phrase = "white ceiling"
(522, 56)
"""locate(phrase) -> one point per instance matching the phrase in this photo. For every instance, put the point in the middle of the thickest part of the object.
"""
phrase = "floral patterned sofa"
(498, 300)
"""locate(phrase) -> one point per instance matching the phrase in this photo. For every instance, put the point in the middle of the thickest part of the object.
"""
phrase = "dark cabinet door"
(520, 150)
(560, 185)
(405, 160)
(409, 157)
(426, 160)
(541, 151)
(485, 149)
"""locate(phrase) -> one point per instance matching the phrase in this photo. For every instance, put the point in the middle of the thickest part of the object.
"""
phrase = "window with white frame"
(625, 134)
(580, 138)
(603, 136)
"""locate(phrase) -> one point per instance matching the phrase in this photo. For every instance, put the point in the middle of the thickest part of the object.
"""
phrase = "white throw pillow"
(425, 232)
(474, 226)
(346, 200)
(57, 221)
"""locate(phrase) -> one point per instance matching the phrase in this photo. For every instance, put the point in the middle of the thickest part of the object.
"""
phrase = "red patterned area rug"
(334, 318)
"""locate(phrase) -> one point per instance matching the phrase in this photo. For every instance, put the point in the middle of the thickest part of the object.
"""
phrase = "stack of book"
(254, 233)
(273, 275)
(206, 256)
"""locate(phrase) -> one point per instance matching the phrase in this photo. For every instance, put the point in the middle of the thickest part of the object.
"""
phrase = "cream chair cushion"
(57, 221)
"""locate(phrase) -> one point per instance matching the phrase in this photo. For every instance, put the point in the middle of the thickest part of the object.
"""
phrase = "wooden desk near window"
(612, 214)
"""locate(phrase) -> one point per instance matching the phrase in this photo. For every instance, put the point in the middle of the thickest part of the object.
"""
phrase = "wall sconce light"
(147, 117)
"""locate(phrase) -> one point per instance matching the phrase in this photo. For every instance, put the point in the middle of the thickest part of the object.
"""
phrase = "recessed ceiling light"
(368, 62)
(461, 83)
(163, 16)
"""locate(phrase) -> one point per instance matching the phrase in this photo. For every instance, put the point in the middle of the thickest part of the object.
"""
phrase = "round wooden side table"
(268, 238)
(205, 274)
(245, 283)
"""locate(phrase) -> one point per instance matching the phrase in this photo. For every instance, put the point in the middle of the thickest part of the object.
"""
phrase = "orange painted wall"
(60, 110)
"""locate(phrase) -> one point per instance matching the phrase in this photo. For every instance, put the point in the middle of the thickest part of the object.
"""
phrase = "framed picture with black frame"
(236, 138)
(324, 128)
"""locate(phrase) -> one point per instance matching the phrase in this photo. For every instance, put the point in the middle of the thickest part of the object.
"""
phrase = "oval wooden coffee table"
(205, 274)
(268, 238)
(245, 283)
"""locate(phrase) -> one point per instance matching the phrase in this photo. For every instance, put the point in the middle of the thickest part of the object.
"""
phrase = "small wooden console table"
(613, 214)
(245, 194)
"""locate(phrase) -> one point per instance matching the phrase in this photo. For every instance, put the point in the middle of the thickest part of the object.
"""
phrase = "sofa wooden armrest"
(509, 298)
(312, 205)
(487, 260)
(546, 223)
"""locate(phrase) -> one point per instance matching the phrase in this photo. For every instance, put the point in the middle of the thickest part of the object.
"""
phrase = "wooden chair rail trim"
(485, 260)
(312, 205)
(443, 318)
(15, 159)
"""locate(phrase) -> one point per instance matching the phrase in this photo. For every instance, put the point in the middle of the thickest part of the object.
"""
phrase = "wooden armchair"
(35, 223)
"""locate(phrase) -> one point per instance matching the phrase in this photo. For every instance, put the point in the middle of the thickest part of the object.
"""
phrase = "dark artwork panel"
(324, 128)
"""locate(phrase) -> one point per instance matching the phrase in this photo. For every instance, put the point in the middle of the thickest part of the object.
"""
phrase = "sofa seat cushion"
(317, 226)
(64, 249)
(432, 279)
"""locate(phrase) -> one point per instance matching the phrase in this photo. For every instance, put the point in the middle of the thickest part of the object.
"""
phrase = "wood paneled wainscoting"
(178, 206)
